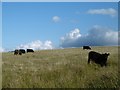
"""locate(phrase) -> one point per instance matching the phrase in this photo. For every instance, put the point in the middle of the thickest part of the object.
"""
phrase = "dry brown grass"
(66, 68)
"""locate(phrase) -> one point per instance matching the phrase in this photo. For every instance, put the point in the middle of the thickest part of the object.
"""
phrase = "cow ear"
(104, 53)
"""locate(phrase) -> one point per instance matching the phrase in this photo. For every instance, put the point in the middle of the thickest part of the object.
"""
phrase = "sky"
(0, 26)
(60, 0)
(50, 25)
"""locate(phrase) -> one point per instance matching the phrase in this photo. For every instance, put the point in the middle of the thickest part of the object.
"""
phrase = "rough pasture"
(65, 68)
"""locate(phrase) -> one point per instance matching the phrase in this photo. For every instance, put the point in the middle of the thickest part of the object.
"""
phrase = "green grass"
(64, 68)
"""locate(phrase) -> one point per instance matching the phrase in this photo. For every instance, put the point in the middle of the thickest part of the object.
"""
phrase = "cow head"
(105, 56)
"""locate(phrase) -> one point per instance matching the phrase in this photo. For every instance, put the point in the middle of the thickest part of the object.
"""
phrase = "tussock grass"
(64, 68)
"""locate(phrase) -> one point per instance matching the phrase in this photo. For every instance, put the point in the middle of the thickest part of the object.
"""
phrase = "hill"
(63, 68)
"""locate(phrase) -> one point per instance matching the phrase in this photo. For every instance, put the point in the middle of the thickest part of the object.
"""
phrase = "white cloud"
(74, 34)
(97, 36)
(2, 49)
(109, 11)
(37, 45)
(56, 18)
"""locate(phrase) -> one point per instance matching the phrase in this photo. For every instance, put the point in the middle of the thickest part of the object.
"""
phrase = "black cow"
(30, 50)
(98, 58)
(86, 47)
(16, 52)
(22, 51)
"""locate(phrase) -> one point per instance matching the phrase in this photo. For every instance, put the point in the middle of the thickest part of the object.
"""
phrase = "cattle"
(86, 47)
(30, 50)
(98, 58)
(22, 51)
(16, 52)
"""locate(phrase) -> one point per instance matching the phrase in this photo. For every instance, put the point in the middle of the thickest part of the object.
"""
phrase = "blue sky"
(52, 23)
(1, 24)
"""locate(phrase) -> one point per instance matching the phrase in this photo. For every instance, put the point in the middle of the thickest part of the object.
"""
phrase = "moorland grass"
(62, 68)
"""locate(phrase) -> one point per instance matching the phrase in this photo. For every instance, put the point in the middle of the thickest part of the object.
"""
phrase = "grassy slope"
(65, 68)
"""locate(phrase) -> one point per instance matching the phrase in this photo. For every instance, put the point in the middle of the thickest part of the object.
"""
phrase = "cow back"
(30, 50)
(22, 50)
(94, 56)
(86, 47)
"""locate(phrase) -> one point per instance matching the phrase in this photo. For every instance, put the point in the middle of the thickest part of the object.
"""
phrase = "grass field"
(63, 68)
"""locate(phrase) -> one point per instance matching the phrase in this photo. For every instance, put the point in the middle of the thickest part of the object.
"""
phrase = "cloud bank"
(97, 36)
(37, 45)
(109, 11)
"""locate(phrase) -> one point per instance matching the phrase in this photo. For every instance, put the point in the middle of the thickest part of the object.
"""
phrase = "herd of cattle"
(92, 55)
(22, 51)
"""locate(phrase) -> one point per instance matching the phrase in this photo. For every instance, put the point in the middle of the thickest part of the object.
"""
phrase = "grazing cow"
(16, 52)
(30, 50)
(98, 58)
(22, 51)
(86, 47)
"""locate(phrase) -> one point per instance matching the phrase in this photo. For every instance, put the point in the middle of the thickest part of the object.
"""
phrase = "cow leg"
(88, 60)
(102, 64)
(105, 64)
